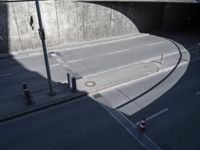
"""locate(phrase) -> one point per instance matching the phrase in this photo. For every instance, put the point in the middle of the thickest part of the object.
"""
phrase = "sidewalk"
(116, 76)
(17, 105)
(87, 85)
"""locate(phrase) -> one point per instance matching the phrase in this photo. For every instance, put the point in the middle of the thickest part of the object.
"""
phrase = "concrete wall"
(64, 22)
(69, 22)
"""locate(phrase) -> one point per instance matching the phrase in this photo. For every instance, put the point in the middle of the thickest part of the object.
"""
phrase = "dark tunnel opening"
(152, 16)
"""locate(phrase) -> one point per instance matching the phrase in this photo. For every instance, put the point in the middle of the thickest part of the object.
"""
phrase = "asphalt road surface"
(85, 61)
(174, 122)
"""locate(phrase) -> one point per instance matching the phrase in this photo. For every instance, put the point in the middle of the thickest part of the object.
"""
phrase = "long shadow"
(13, 73)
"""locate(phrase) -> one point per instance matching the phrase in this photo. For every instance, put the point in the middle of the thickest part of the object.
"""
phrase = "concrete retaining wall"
(67, 22)
(64, 22)
(71, 22)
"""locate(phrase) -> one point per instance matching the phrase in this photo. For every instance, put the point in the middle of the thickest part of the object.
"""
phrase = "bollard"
(142, 126)
(69, 80)
(25, 86)
(28, 97)
(74, 89)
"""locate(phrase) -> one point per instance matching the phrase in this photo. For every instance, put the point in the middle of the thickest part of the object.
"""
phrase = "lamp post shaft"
(42, 37)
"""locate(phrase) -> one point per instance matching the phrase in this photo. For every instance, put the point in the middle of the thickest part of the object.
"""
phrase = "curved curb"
(147, 91)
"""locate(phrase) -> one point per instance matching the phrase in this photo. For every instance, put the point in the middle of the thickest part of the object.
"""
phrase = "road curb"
(42, 107)
(147, 91)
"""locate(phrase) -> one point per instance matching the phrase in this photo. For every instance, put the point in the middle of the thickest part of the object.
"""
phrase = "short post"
(142, 126)
(69, 80)
(161, 59)
(28, 97)
(74, 89)
(25, 86)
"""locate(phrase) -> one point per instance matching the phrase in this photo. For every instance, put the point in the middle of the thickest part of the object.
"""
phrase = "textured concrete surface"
(71, 22)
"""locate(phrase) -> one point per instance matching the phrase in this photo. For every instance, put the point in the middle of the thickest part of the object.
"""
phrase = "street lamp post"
(42, 37)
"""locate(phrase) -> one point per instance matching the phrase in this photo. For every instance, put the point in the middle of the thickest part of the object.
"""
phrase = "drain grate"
(90, 83)
(97, 95)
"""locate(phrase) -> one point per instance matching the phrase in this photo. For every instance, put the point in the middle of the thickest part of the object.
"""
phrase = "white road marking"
(154, 115)
(73, 61)
(117, 52)
(6, 75)
(192, 47)
(54, 65)
(156, 43)
(143, 139)
(197, 93)
(60, 61)
(195, 60)
(120, 67)
(34, 54)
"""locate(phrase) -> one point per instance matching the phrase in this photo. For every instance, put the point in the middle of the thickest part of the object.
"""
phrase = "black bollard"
(28, 97)
(74, 89)
(25, 86)
(69, 80)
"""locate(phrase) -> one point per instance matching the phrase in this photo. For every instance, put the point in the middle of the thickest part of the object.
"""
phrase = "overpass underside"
(162, 1)
(70, 23)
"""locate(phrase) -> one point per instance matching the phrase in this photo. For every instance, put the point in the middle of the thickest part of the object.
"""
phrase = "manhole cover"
(90, 83)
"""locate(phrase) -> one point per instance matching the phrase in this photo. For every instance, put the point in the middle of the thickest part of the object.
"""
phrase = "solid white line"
(197, 93)
(156, 43)
(73, 61)
(154, 115)
(54, 65)
(5, 75)
(117, 52)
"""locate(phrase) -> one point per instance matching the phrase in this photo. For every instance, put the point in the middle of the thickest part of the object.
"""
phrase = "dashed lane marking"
(197, 93)
(117, 52)
(154, 115)
(6, 75)
(156, 43)
(54, 65)
(195, 60)
(73, 61)
(131, 128)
